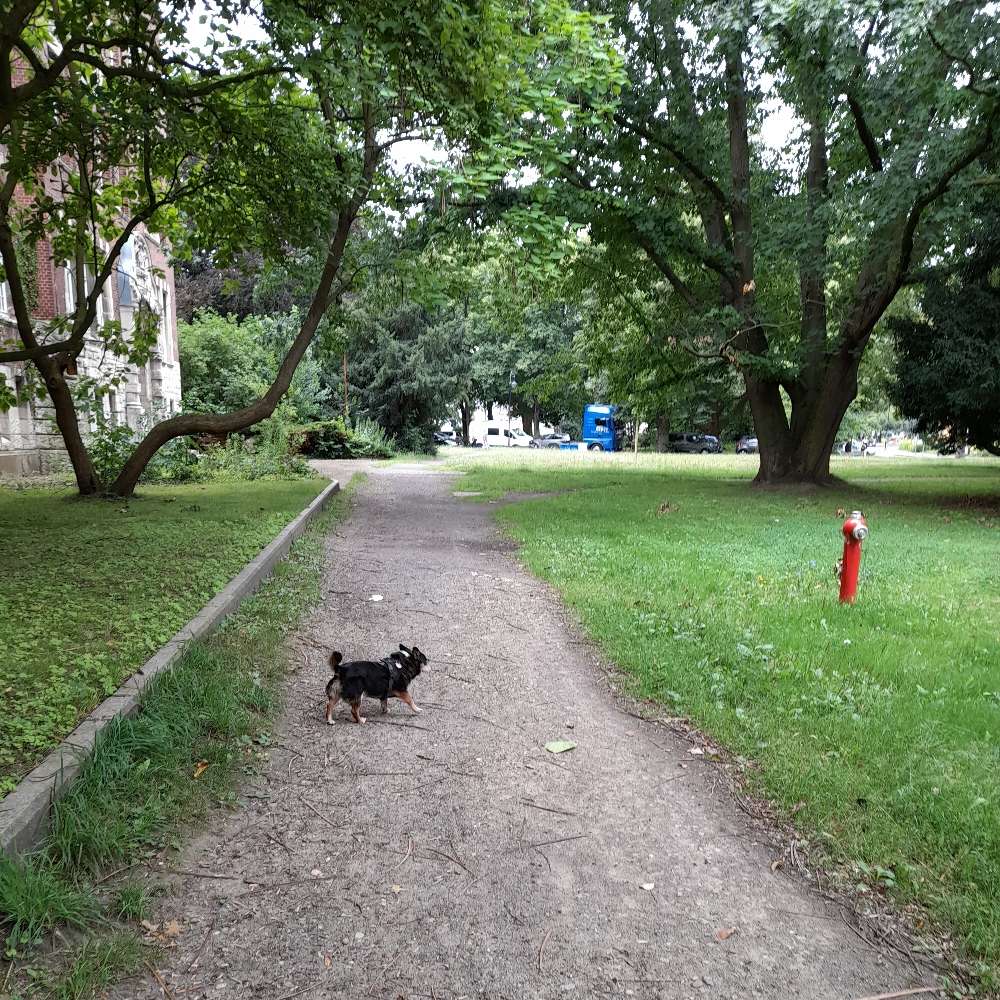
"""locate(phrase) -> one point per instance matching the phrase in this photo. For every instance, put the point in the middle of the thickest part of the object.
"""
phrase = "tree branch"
(865, 134)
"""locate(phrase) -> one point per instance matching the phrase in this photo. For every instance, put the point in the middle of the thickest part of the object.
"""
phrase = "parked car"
(447, 440)
(694, 444)
(499, 437)
(552, 440)
(747, 446)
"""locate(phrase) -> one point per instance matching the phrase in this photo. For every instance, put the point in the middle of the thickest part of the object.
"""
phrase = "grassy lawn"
(203, 727)
(90, 589)
(882, 718)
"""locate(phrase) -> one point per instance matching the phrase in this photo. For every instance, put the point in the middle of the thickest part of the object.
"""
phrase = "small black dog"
(389, 677)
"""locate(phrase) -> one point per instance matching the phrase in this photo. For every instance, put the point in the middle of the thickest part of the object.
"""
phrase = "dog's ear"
(418, 656)
(335, 659)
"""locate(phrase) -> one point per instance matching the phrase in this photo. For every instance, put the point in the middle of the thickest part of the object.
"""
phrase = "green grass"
(882, 718)
(90, 589)
(202, 727)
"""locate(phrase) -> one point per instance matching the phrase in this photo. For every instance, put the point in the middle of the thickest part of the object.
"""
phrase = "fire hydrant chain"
(855, 531)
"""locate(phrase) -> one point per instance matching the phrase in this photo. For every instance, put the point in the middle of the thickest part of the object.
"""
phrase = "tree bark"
(535, 415)
(69, 427)
(466, 413)
(662, 432)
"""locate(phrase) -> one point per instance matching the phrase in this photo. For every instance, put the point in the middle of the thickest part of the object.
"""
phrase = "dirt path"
(448, 855)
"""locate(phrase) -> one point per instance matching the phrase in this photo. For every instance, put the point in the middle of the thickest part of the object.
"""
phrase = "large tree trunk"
(662, 432)
(800, 453)
(69, 427)
(535, 418)
(466, 413)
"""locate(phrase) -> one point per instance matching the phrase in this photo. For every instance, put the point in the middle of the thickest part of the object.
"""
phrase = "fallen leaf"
(316, 873)
(200, 768)
(327, 961)
(375, 597)
(559, 746)
(151, 927)
(724, 932)
(397, 889)
(798, 807)
(696, 751)
(648, 886)
(171, 928)
(776, 864)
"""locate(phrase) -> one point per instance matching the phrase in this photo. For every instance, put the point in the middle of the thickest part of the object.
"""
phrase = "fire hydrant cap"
(856, 527)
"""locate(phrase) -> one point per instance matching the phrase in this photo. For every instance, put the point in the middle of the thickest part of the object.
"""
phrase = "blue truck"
(601, 431)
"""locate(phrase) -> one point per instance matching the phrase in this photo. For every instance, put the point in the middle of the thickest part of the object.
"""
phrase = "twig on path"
(545, 843)
(201, 949)
(448, 857)
(385, 774)
(305, 989)
(325, 819)
(388, 965)
(545, 858)
(548, 809)
(259, 888)
(902, 993)
(160, 982)
(882, 940)
(400, 725)
(280, 843)
(554, 763)
(420, 611)
(117, 871)
(541, 948)
(512, 625)
(406, 857)
(222, 878)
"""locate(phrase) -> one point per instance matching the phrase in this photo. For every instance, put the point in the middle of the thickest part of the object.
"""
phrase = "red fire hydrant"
(855, 532)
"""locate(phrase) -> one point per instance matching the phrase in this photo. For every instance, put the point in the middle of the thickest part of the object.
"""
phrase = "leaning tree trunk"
(223, 423)
(535, 418)
(69, 427)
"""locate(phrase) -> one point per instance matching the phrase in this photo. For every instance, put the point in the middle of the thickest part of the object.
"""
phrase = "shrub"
(334, 439)
(271, 454)
(110, 448)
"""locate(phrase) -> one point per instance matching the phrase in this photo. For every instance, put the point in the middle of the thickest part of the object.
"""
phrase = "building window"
(113, 407)
(5, 304)
(165, 325)
(69, 287)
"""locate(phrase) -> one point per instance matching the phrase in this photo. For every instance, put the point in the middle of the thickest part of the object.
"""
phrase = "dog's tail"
(335, 660)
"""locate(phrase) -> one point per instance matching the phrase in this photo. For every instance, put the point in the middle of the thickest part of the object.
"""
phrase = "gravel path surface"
(447, 854)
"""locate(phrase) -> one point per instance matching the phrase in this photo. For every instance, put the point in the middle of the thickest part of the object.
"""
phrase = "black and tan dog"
(385, 679)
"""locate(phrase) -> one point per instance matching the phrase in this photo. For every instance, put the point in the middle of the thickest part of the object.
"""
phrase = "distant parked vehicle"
(694, 444)
(448, 440)
(747, 446)
(500, 437)
(601, 431)
(552, 440)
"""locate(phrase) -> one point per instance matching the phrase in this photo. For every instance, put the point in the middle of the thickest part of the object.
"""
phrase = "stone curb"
(24, 813)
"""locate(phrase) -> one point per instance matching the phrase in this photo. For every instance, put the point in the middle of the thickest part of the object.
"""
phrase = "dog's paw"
(362, 720)
(415, 709)
(329, 722)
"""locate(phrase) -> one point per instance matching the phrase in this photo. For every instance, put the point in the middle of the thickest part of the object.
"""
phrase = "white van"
(500, 437)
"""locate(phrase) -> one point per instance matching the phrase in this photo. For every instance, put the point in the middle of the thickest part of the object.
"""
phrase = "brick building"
(29, 441)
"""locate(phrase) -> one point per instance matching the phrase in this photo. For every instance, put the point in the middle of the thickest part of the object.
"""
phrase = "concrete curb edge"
(24, 812)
